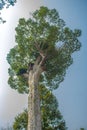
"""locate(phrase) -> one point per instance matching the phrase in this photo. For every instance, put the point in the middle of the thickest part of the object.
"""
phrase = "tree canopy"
(51, 116)
(5, 3)
(44, 34)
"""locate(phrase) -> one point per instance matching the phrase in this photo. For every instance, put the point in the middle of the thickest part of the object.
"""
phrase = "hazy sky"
(11, 102)
(72, 93)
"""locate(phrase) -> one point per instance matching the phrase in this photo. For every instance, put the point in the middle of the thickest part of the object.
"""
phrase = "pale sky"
(11, 102)
(72, 93)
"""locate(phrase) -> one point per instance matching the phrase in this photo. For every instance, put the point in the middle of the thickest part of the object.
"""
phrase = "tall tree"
(51, 116)
(5, 3)
(44, 45)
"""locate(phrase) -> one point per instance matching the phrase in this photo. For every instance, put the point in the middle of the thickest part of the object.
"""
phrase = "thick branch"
(36, 63)
(37, 60)
(43, 61)
(25, 75)
(40, 51)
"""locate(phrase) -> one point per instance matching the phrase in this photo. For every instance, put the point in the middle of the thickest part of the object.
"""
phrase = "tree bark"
(34, 115)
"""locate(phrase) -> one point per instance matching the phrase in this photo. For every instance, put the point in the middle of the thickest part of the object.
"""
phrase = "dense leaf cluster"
(51, 116)
(44, 32)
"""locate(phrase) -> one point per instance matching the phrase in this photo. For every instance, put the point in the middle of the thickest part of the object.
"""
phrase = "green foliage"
(5, 3)
(51, 116)
(47, 31)
(21, 121)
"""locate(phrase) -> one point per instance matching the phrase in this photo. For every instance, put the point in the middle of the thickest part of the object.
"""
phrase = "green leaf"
(46, 30)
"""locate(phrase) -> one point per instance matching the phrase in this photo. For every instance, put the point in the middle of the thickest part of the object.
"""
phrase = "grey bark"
(34, 115)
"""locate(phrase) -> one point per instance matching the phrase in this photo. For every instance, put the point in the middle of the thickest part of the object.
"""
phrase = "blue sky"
(72, 93)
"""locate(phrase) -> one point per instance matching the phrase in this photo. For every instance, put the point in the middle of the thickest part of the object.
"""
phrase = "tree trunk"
(34, 115)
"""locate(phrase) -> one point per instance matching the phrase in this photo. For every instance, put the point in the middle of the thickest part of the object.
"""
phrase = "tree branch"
(25, 75)
(40, 51)
(43, 60)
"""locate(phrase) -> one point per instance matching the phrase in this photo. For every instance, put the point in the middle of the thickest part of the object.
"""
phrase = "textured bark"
(34, 115)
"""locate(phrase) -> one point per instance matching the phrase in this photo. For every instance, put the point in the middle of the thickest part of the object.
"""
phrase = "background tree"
(82, 129)
(51, 116)
(5, 3)
(44, 48)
